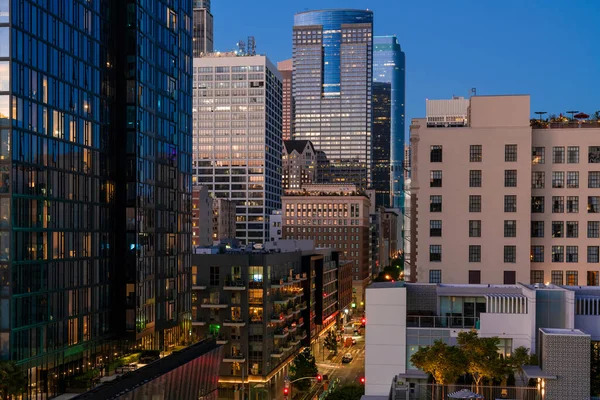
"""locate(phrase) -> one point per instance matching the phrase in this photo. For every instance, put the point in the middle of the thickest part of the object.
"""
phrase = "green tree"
(331, 343)
(595, 369)
(303, 366)
(348, 392)
(444, 363)
(12, 380)
(519, 357)
(483, 359)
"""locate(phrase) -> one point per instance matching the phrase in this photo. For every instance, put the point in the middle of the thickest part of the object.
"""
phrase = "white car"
(347, 358)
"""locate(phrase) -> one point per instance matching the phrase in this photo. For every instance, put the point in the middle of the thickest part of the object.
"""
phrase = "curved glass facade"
(332, 58)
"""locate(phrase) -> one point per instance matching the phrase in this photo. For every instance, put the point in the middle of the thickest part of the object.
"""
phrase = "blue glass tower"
(389, 76)
(332, 77)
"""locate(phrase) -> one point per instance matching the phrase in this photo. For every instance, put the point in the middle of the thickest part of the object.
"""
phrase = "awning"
(534, 372)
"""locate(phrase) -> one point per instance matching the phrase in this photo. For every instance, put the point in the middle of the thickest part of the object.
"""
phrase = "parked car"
(353, 341)
(346, 358)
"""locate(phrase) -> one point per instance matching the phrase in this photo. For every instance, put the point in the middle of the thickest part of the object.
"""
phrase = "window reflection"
(4, 246)
(4, 111)
(4, 16)
(4, 39)
(4, 212)
(4, 76)
(4, 144)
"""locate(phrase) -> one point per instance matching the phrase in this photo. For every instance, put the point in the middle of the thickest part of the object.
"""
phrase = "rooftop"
(563, 332)
(386, 285)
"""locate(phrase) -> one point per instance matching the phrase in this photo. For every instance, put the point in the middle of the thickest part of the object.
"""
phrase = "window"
(594, 179)
(474, 203)
(537, 179)
(558, 204)
(214, 276)
(557, 229)
(593, 229)
(435, 153)
(435, 203)
(557, 277)
(536, 276)
(572, 279)
(558, 254)
(537, 253)
(537, 229)
(558, 155)
(592, 278)
(594, 154)
(474, 253)
(593, 204)
(474, 228)
(435, 276)
(475, 153)
(435, 179)
(573, 155)
(510, 277)
(435, 228)
(474, 277)
(572, 254)
(572, 204)
(538, 155)
(510, 254)
(475, 178)
(435, 253)
(510, 228)
(510, 152)
(510, 203)
(573, 179)
(572, 229)
(558, 179)
(510, 178)
(592, 254)
(537, 204)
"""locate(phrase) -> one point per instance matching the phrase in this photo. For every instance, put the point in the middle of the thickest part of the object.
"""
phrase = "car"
(353, 341)
(347, 358)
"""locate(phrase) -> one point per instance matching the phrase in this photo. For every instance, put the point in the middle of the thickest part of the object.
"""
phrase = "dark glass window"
(536, 276)
(593, 229)
(594, 154)
(475, 178)
(537, 229)
(537, 253)
(537, 204)
(558, 254)
(435, 179)
(573, 155)
(558, 155)
(557, 277)
(474, 228)
(592, 278)
(594, 179)
(475, 154)
(557, 229)
(510, 254)
(572, 278)
(510, 203)
(435, 276)
(538, 179)
(538, 155)
(474, 203)
(592, 254)
(474, 277)
(474, 253)
(510, 277)
(572, 229)
(572, 204)
(214, 276)
(572, 254)
(510, 228)
(558, 179)
(573, 179)
(435, 253)
(510, 178)
(435, 203)
(558, 204)
(510, 153)
(435, 153)
(593, 204)
(435, 228)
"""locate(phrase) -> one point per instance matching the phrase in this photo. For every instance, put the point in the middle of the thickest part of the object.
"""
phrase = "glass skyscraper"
(95, 182)
(332, 76)
(389, 83)
(202, 33)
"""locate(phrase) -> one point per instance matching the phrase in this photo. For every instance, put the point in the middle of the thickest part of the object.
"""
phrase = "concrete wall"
(385, 352)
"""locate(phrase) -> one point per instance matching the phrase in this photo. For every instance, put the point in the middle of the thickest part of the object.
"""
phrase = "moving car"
(347, 358)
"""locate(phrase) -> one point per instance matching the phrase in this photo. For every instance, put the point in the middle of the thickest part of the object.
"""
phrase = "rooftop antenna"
(473, 92)
(241, 46)
(251, 46)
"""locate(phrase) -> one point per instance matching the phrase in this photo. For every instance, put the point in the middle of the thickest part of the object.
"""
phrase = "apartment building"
(299, 164)
(286, 69)
(202, 216)
(223, 219)
(335, 217)
(471, 191)
(522, 195)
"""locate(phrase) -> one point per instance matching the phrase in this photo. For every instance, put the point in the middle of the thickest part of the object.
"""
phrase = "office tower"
(299, 164)
(389, 83)
(285, 69)
(331, 88)
(202, 217)
(237, 137)
(202, 33)
(95, 161)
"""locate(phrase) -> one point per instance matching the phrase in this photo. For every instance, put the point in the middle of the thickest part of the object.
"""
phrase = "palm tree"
(12, 380)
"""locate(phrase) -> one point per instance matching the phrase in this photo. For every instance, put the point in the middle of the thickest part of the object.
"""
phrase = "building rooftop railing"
(419, 321)
(537, 124)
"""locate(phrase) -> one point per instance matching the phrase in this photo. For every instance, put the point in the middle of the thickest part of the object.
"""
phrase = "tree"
(595, 369)
(483, 359)
(348, 392)
(331, 342)
(303, 366)
(12, 380)
(519, 357)
(445, 363)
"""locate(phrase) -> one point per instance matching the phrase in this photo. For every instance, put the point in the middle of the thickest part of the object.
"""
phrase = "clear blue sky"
(549, 49)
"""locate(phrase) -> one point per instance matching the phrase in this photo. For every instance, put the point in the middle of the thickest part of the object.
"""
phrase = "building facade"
(285, 69)
(202, 32)
(202, 217)
(223, 219)
(549, 204)
(299, 164)
(331, 88)
(237, 136)
(334, 217)
(389, 98)
(97, 178)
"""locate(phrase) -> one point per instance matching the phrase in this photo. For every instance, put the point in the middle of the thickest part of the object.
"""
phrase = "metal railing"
(421, 391)
(419, 321)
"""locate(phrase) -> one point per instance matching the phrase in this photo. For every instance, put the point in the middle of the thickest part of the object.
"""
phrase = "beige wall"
(508, 124)
(549, 138)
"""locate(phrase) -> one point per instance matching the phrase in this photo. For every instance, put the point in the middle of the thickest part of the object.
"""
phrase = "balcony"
(207, 303)
(235, 283)
(277, 353)
(302, 335)
(300, 323)
(234, 322)
(295, 341)
(302, 306)
(221, 339)
(292, 328)
(198, 287)
(459, 322)
(281, 333)
(287, 347)
(237, 357)
(277, 318)
(198, 322)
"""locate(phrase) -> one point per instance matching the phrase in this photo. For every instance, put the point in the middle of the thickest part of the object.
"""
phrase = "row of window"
(538, 155)
(510, 228)
(510, 277)
(536, 276)
(510, 253)
(558, 254)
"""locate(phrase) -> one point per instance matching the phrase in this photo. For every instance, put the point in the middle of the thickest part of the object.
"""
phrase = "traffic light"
(319, 378)
(363, 321)
(362, 380)
(286, 391)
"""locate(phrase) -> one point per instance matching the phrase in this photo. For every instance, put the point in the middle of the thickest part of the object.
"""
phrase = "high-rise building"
(389, 93)
(202, 32)
(95, 195)
(223, 218)
(331, 88)
(299, 164)
(202, 216)
(237, 136)
(285, 69)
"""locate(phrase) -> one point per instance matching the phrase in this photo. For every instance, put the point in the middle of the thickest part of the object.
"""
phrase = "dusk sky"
(546, 48)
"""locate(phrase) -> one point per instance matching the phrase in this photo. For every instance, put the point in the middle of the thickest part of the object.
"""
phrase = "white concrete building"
(237, 136)
(276, 225)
